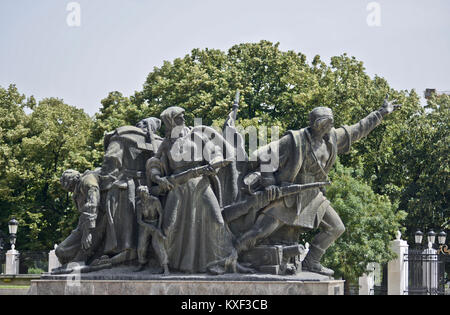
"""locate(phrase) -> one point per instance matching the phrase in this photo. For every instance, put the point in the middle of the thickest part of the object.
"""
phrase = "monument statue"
(195, 202)
(306, 156)
(85, 240)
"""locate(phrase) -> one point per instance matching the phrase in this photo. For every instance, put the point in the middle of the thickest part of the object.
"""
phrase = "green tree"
(371, 222)
(36, 149)
(420, 167)
(116, 111)
(13, 121)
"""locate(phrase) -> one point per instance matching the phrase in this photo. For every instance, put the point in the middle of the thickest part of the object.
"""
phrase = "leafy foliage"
(371, 223)
(421, 167)
(35, 150)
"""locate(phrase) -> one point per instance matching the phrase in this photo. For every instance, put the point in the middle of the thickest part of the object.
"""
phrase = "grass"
(14, 287)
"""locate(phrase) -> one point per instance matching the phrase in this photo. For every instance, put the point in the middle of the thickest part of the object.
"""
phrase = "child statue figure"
(149, 221)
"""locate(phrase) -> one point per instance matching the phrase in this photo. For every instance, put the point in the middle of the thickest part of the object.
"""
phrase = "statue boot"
(312, 262)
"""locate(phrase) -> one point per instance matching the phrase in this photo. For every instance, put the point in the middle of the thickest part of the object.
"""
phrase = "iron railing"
(426, 273)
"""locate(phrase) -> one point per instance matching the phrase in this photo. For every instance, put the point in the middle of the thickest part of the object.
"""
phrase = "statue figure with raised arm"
(306, 156)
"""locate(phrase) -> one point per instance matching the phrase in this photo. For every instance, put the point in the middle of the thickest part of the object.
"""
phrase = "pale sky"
(119, 42)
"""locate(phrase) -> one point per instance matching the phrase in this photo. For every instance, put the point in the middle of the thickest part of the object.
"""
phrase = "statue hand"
(160, 234)
(272, 192)
(210, 171)
(165, 184)
(388, 107)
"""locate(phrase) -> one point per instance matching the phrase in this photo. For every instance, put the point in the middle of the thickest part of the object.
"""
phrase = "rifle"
(261, 199)
(184, 177)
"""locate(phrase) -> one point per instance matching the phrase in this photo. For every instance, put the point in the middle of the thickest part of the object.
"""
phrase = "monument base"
(125, 282)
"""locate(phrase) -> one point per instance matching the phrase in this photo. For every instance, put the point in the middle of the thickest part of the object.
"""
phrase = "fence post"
(398, 268)
(367, 281)
(53, 261)
(12, 262)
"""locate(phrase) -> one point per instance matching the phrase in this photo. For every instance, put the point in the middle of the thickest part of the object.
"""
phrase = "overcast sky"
(118, 42)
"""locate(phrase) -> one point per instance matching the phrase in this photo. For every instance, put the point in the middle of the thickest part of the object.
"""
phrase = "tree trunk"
(346, 287)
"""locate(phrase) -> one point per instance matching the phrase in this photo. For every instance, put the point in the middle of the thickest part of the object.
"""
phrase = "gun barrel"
(181, 178)
(234, 211)
(295, 188)
(221, 164)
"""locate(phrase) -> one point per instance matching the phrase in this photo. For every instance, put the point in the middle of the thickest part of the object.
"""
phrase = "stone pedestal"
(125, 282)
(12, 262)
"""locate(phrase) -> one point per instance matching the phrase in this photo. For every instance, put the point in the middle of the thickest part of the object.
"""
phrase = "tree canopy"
(35, 149)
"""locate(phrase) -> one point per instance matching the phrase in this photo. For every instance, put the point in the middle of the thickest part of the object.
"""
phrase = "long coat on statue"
(123, 170)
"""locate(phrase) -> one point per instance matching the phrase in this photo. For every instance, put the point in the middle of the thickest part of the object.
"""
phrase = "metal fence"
(2, 262)
(380, 279)
(33, 262)
(30, 262)
(426, 273)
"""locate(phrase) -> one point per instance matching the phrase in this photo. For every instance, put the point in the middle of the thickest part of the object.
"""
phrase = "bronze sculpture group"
(196, 202)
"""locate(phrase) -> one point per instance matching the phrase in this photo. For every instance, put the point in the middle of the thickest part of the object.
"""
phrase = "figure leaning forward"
(306, 156)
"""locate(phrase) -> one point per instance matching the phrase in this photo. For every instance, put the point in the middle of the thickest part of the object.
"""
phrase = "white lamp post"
(12, 256)
(13, 225)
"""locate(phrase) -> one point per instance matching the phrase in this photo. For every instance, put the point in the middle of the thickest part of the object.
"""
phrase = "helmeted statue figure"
(306, 156)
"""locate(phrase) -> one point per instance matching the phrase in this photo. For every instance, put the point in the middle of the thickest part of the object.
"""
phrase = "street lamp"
(442, 237)
(13, 226)
(431, 237)
(418, 237)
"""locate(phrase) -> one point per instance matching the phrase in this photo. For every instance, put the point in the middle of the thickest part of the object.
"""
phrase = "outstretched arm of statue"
(347, 135)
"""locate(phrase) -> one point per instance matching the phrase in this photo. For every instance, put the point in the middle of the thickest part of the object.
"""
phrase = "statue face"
(324, 124)
(69, 183)
(179, 120)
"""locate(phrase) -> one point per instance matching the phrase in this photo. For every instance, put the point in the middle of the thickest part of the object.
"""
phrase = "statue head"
(173, 119)
(69, 180)
(151, 124)
(321, 119)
